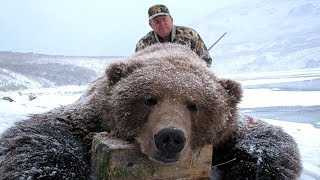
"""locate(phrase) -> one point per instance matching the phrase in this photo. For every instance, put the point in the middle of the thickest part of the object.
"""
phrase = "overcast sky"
(87, 27)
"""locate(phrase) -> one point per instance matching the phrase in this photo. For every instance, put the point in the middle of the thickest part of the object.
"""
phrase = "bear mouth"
(167, 159)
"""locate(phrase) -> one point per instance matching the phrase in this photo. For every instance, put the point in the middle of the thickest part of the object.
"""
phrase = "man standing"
(164, 31)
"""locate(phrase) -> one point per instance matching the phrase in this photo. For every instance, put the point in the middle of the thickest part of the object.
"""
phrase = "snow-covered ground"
(306, 134)
(46, 99)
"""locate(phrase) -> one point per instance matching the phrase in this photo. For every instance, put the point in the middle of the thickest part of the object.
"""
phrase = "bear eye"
(192, 107)
(150, 101)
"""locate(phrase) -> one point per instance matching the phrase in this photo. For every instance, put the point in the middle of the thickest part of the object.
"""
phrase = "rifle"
(213, 44)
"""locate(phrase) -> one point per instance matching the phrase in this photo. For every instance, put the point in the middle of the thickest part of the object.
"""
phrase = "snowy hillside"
(264, 35)
(27, 70)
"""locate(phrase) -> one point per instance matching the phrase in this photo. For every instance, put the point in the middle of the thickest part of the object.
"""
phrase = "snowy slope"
(264, 35)
(28, 70)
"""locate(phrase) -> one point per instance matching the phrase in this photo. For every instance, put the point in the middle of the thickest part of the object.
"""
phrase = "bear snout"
(170, 142)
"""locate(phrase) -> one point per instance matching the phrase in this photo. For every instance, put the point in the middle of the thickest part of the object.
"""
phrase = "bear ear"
(116, 71)
(233, 88)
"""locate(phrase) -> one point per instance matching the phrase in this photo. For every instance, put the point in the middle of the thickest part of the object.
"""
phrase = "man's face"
(162, 25)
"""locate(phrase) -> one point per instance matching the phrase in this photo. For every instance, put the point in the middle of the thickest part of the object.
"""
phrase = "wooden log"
(117, 159)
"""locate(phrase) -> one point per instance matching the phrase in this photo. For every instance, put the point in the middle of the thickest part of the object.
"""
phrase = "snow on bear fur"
(166, 100)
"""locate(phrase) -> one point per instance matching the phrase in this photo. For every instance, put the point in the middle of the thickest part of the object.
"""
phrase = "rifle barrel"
(214, 44)
(217, 40)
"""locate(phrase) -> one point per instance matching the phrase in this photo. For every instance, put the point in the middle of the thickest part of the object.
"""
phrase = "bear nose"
(170, 141)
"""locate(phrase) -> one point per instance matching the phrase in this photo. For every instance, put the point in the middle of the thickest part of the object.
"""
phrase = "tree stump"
(117, 159)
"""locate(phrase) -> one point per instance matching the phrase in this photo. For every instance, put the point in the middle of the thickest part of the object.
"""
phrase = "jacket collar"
(173, 35)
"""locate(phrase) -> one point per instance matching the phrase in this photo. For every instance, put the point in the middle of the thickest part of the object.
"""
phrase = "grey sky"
(86, 27)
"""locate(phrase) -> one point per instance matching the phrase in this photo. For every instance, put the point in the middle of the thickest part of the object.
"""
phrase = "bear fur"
(165, 99)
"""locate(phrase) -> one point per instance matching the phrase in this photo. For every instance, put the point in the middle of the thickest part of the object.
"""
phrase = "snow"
(46, 99)
(305, 134)
(263, 35)
(269, 97)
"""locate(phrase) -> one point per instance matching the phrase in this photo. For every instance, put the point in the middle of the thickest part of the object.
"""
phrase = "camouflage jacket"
(180, 35)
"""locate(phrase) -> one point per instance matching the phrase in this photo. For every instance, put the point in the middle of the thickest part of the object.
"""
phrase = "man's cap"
(158, 10)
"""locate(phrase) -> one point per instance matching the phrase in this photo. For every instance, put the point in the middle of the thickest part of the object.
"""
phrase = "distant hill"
(28, 70)
(264, 35)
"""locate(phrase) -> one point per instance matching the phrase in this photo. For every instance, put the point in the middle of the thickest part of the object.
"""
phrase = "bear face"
(180, 105)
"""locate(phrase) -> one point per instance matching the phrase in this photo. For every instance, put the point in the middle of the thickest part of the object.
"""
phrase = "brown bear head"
(167, 100)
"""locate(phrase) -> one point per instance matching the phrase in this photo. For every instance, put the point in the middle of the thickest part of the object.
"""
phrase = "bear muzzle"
(170, 142)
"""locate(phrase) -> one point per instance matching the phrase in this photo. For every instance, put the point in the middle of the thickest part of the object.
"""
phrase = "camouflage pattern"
(180, 35)
(158, 10)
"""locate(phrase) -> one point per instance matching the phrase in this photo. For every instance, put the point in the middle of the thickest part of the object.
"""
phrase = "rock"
(116, 159)
(32, 97)
(8, 99)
